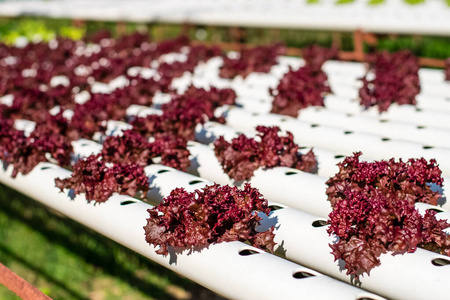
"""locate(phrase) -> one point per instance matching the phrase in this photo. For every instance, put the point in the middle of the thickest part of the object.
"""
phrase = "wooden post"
(237, 35)
(121, 28)
(19, 286)
(337, 39)
(358, 45)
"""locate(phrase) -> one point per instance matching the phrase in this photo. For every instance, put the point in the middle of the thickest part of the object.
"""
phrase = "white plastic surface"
(428, 17)
(219, 267)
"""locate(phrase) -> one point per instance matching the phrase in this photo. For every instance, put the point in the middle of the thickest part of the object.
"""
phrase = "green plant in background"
(375, 2)
(71, 32)
(34, 30)
(344, 1)
(29, 29)
(414, 2)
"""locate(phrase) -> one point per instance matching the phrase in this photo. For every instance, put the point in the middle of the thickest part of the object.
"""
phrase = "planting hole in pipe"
(385, 139)
(291, 173)
(162, 171)
(348, 132)
(427, 147)
(383, 120)
(420, 127)
(440, 262)
(127, 202)
(46, 168)
(319, 223)
(255, 114)
(192, 182)
(275, 207)
(437, 210)
(418, 109)
(315, 125)
(247, 252)
(283, 120)
(84, 145)
(302, 274)
(349, 115)
(339, 156)
(365, 298)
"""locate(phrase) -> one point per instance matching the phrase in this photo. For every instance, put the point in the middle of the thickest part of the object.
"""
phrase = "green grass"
(68, 261)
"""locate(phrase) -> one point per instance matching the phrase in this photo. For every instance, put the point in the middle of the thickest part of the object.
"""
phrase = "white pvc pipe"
(408, 276)
(219, 267)
(332, 138)
(299, 238)
(403, 113)
(435, 137)
(283, 185)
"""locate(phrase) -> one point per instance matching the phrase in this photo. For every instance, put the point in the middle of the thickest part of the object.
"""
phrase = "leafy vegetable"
(24, 153)
(304, 87)
(447, 69)
(396, 80)
(132, 147)
(241, 157)
(257, 59)
(299, 89)
(98, 181)
(211, 215)
(91, 116)
(374, 213)
(315, 56)
(182, 114)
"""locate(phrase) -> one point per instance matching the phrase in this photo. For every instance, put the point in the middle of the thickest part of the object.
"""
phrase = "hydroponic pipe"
(344, 141)
(302, 237)
(234, 270)
(435, 137)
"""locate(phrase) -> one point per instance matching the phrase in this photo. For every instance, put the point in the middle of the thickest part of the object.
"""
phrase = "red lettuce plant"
(172, 150)
(91, 116)
(132, 147)
(257, 59)
(211, 215)
(374, 213)
(24, 153)
(304, 87)
(315, 56)
(241, 157)
(396, 80)
(299, 89)
(141, 90)
(447, 69)
(176, 121)
(98, 181)
(182, 114)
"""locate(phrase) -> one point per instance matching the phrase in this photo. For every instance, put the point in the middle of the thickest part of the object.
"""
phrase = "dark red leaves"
(258, 59)
(132, 147)
(396, 80)
(304, 87)
(182, 114)
(315, 56)
(299, 89)
(98, 181)
(92, 116)
(211, 215)
(172, 150)
(447, 69)
(241, 157)
(374, 213)
(24, 153)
